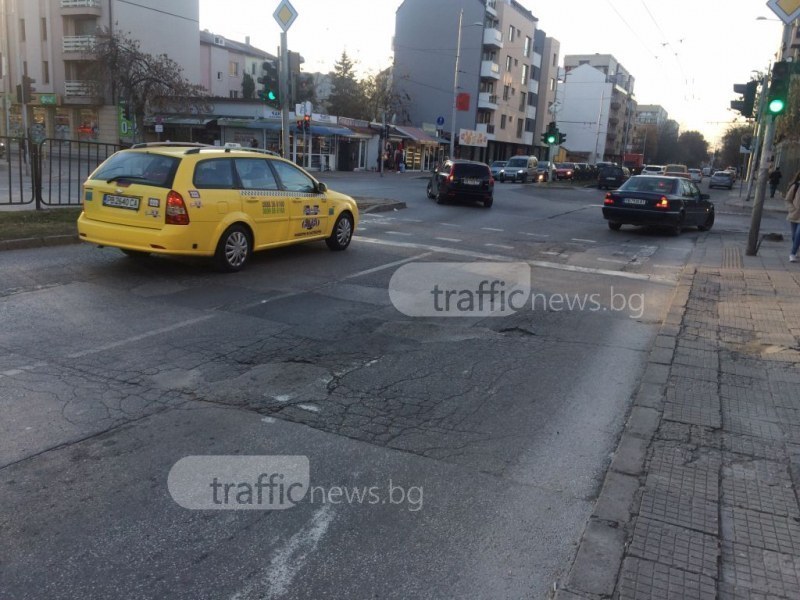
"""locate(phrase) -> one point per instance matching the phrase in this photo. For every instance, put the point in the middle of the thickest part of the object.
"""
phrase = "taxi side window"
(215, 173)
(255, 174)
(293, 179)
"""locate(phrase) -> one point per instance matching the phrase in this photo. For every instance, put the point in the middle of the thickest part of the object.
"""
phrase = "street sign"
(787, 10)
(285, 14)
(159, 128)
(440, 121)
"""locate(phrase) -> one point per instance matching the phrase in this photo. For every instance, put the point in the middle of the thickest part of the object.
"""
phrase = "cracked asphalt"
(112, 370)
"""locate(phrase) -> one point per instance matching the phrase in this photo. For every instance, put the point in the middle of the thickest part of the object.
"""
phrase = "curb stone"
(594, 572)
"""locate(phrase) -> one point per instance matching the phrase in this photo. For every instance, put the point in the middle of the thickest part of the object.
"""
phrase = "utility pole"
(762, 101)
(284, 92)
(455, 88)
(761, 187)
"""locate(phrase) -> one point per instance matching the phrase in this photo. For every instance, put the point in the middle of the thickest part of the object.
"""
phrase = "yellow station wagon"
(199, 200)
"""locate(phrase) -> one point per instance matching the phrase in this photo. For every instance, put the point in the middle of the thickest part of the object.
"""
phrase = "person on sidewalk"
(774, 180)
(792, 200)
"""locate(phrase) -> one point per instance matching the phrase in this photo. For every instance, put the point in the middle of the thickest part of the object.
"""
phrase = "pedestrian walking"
(254, 143)
(792, 200)
(774, 180)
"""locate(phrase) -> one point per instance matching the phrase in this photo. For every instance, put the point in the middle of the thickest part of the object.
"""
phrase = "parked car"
(498, 168)
(462, 180)
(721, 179)
(520, 168)
(546, 171)
(696, 175)
(610, 177)
(565, 170)
(652, 170)
(660, 201)
(218, 202)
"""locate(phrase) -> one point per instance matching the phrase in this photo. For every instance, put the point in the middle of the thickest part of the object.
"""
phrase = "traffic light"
(307, 123)
(552, 135)
(778, 87)
(25, 90)
(270, 80)
(745, 105)
(562, 137)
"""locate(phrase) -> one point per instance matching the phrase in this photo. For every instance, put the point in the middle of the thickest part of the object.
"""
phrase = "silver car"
(721, 179)
(497, 168)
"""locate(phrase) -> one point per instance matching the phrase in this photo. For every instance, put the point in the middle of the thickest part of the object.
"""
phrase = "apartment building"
(224, 62)
(546, 51)
(49, 41)
(496, 69)
(597, 107)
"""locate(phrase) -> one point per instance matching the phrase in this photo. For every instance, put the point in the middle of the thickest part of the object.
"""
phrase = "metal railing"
(80, 3)
(78, 43)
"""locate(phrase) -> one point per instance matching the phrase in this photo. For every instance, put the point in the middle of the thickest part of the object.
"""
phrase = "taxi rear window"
(139, 167)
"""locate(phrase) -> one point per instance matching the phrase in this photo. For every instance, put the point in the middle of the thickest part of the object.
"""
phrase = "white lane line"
(491, 229)
(544, 235)
(412, 220)
(584, 241)
(503, 246)
(596, 205)
(550, 253)
(309, 407)
(613, 260)
(443, 239)
(667, 267)
(449, 225)
(399, 233)
(141, 336)
(534, 263)
(387, 266)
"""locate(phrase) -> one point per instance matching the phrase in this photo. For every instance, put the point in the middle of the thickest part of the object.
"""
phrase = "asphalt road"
(483, 440)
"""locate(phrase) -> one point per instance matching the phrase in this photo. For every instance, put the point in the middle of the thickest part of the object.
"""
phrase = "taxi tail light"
(608, 199)
(663, 203)
(176, 209)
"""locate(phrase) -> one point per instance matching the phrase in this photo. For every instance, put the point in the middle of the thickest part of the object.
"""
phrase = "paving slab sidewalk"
(700, 500)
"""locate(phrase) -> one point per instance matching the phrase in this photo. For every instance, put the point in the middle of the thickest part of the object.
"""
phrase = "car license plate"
(634, 201)
(128, 202)
(472, 181)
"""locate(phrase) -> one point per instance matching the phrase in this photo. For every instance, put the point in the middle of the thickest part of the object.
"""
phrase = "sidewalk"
(700, 500)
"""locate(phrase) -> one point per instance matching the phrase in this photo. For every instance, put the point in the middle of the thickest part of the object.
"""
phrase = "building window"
(234, 94)
(522, 97)
(253, 69)
(219, 74)
(555, 59)
(22, 30)
(505, 92)
(532, 99)
(502, 121)
(529, 125)
(25, 67)
(520, 123)
(44, 29)
(2, 74)
(508, 63)
(233, 68)
(552, 84)
(525, 74)
(510, 33)
(526, 50)
(45, 72)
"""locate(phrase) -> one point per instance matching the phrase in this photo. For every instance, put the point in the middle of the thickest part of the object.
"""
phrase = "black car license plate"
(128, 202)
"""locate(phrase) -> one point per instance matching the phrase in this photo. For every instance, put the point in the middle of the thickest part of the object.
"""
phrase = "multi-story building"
(224, 62)
(597, 107)
(49, 41)
(496, 68)
(547, 54)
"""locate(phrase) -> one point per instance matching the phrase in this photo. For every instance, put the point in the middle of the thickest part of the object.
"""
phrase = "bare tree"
(141, 81)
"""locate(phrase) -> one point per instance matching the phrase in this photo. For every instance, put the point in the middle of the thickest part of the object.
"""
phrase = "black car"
(659, 201)
(462, 179)
(610, 176)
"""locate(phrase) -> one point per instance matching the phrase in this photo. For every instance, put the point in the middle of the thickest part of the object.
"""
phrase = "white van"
(519, 168)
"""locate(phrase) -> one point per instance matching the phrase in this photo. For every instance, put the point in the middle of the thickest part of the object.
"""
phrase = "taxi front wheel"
(342, 233)
(233, 249)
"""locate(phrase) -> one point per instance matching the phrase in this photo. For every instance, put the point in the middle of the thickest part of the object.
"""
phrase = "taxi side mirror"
(321, 188)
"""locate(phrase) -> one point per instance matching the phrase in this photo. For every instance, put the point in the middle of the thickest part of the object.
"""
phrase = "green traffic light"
(776, 105)
(551, 139)
(271, 95)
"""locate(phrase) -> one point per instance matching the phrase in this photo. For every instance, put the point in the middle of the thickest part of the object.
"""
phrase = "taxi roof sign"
(285, 14)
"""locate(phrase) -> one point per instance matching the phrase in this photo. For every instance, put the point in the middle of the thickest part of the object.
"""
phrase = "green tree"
(693, 148)
(248, 87)
(379, 96)
(668, 151)
(346, 97)
(122, 71)
(728, 154)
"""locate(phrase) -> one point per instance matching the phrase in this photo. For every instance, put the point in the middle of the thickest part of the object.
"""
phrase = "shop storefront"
(421, 151)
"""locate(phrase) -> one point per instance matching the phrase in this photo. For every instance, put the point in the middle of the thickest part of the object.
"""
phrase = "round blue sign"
(440, 121)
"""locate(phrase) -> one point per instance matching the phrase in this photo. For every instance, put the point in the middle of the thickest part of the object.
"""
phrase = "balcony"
(490, 70)
(530, 112)
(527, 138)
(78, 44)
(78, 8)
(79, 89)
(486, 128)
(615, 105)
(611, 136)
(493, 38)
(533, 86)
(613, 121)
(487, 101)
(491, 7)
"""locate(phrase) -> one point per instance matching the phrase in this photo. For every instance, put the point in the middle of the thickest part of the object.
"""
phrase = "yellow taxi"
(199, 200)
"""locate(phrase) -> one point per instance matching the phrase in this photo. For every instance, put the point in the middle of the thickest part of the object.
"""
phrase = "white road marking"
(412, 220)
(544, 235)
(552, 253)
(141, 336)
(387, 266)
(503, 246)
(399, 233)
(449, 225)
(534, 263)
(491, 229)
(443, 239)
(613, 260)
(585, 241)
(596, 205)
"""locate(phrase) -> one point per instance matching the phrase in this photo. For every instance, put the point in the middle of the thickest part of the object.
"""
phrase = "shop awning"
(364, 133)
(418, 135)
(330, 130)
(175, 120)
(269, 125)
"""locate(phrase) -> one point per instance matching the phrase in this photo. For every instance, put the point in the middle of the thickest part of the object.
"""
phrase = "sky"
(684, 55)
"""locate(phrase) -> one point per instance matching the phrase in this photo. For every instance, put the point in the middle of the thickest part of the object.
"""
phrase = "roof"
(206, 37)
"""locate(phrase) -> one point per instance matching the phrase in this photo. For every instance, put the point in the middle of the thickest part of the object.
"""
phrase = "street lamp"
(455, 83)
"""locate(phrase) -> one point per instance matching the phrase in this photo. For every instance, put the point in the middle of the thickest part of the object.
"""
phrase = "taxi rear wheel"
(233, 249)
(342, 233)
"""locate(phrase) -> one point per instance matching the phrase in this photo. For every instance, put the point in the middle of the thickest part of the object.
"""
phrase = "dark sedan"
(462, 180)
(669, 202)
(611, 176)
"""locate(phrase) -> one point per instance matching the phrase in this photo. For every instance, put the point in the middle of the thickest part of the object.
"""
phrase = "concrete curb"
(594, 572)
(364, 207)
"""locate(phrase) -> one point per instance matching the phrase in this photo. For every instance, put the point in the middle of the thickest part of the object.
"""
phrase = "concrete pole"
(284, 91)
(455, 88)
(761, 188)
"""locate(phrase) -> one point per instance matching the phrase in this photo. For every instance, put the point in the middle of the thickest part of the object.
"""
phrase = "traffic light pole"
(754, 156)
(761, 187)
(284, 92)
